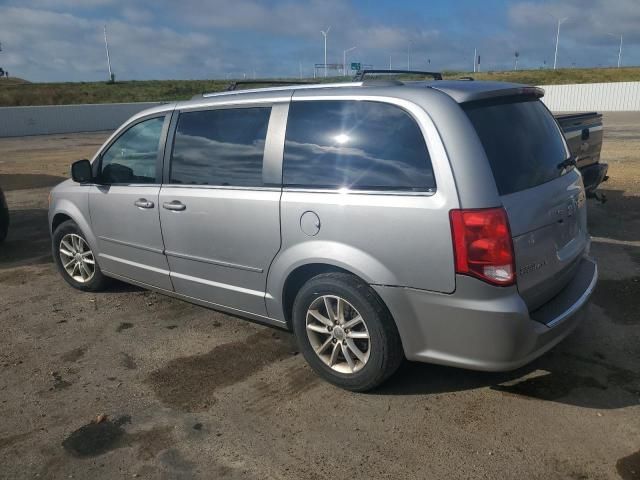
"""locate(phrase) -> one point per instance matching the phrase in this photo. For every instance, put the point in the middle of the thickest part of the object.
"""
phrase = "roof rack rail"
(234, 85)
(359, 77)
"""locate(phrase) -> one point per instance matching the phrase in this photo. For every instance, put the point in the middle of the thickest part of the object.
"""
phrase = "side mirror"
(81, 171)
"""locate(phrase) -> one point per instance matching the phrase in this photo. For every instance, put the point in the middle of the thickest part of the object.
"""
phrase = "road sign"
(355, 66)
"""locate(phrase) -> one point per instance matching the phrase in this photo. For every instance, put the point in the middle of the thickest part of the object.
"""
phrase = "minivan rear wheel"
(75, 260)
(345, 332)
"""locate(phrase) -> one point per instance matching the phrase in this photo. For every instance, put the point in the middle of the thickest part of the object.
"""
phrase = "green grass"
(17, 92)
(558, 77)
(102, 92)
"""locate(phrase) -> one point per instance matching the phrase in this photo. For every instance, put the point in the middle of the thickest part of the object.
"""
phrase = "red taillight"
(482, 245)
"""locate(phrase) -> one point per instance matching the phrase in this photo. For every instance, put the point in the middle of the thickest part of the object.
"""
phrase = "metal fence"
(603, 97)
(23, 121)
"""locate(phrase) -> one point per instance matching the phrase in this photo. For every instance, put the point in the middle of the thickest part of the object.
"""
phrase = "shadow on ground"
(25, 181)
(618, 218)
(28, 241)
(559, 376)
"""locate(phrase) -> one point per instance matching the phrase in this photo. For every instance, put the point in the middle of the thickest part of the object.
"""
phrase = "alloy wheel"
(77, 258)
(338, 334)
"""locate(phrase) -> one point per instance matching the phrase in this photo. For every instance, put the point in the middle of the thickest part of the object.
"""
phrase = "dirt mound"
(12, 81)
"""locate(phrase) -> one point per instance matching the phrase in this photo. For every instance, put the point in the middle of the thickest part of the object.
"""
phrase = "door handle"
(143, 203)
(175, 206)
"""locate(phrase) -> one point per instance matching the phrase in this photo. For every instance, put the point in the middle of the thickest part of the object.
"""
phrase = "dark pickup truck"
(583, 132)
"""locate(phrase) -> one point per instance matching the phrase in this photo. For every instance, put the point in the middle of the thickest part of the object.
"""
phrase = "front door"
(124, 205)
(220, 222)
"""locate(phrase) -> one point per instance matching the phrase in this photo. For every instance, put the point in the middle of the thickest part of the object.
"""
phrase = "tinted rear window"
(521, 140)
(358, 145)
(220, 147)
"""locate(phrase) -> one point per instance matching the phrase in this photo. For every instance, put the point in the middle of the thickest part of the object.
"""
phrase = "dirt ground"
(192, 393)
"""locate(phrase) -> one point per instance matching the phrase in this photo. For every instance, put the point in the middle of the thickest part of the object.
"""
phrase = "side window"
(355, 144)
(220, 147)
(132, 157)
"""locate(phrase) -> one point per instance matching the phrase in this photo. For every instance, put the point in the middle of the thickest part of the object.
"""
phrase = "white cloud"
(137, 15)
(584, 38)
(62, 39)
(59, 46)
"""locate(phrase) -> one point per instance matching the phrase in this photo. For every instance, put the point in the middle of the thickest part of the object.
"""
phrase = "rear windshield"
(521, 140)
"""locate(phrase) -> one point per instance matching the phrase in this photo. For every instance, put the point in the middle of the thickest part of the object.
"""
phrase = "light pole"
(344, 60)
(324, 34)
(2, 71)
(106, 47)
(560, 22)
(619, 50)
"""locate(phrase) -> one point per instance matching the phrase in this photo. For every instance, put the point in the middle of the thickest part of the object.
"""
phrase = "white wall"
(22, 121)
(601, 97)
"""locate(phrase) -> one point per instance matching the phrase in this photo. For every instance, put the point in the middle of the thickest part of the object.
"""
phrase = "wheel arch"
(296, 264)
(302, 274)
(298, 277)
(58, 219)
(66, 210)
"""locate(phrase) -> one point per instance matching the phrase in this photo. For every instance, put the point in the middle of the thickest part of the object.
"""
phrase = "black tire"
(386, 352)
(98, 282)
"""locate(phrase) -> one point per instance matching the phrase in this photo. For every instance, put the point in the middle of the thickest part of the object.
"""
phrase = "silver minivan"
(438, 221)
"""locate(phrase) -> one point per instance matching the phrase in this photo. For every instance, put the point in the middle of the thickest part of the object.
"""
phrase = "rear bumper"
(593, 175)
(482, 327)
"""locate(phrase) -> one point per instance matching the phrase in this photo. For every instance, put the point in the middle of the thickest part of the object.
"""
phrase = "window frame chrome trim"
(222, 187)
(347, 191)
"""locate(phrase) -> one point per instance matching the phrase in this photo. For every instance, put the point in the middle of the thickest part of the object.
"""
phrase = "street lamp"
(344, 60)
(620, 49)
(560, 22)
(324, 34)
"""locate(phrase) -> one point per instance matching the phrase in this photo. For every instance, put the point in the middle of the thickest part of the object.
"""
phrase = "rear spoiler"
(465, 91)
(534, 92)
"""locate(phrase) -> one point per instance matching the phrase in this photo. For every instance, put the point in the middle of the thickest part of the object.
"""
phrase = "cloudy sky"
(60, 40)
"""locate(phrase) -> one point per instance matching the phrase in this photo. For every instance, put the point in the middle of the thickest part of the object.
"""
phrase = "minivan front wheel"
(345, 332)
(75, 260)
